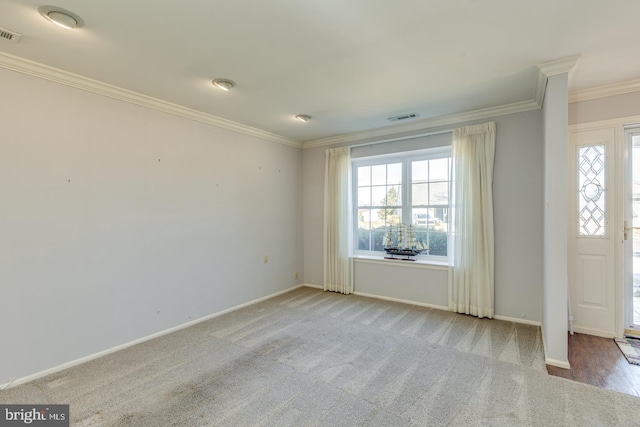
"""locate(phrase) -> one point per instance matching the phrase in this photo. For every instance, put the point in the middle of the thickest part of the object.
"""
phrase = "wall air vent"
(9, 35)
(403, 117)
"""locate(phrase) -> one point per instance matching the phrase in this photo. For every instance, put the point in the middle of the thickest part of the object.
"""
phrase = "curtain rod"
(440, 132)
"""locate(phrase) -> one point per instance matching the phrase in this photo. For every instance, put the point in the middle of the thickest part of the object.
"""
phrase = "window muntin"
(410, 188)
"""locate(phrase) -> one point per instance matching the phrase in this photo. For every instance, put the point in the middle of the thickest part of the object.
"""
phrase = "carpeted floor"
(310, 358)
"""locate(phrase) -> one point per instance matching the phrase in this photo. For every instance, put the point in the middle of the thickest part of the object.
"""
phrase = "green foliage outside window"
(390, 215)
(436, 240)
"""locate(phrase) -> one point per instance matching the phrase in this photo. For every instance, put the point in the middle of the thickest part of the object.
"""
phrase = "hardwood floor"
(599, 362)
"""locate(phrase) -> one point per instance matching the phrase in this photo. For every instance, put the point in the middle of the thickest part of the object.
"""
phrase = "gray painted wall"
(608, 108)
(395, 280)
(518, 216)
(118, 222)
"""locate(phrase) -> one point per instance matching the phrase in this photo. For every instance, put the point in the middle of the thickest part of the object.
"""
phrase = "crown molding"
(484, 113)
(545, 70)
(541, 88)
(56, 75)
(559, 66)
(604, 91)
(553, 68)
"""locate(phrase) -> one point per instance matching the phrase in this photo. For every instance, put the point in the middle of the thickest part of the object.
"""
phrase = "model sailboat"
(405, 244)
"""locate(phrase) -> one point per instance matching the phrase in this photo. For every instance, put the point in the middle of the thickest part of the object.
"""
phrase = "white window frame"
(406, 158)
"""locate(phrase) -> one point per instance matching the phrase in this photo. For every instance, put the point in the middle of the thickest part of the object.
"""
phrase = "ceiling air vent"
(9, 35)
(402, 117)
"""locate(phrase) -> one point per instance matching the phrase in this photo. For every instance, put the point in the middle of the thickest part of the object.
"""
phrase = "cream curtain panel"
(471, 285)
(338, 265)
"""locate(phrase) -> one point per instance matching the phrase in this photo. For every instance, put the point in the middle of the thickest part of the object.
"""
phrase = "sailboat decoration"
(405, 244)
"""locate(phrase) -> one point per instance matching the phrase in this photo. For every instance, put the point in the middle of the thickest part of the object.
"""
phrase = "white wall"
(518, 202)
(118, 221)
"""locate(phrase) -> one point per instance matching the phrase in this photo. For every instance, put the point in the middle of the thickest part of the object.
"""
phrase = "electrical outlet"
(295, 275)
(265, 259)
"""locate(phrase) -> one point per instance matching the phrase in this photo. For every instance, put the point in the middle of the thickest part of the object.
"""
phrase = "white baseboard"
(90, 357)
(518, 320)
(403, 301)
(382, 297)
(423, 304)
(557, 363)
(596, 332)
(552, 362)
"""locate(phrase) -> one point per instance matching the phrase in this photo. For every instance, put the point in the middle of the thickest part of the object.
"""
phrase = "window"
(407, 188)
(592, 216)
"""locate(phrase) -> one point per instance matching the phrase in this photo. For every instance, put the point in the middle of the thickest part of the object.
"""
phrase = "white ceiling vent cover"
(403, 117)
(9, 35)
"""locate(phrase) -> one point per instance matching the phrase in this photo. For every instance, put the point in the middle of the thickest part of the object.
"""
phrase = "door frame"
(628, 327)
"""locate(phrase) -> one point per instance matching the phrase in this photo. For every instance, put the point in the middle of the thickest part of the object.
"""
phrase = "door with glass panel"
(632, 231)
(592, 231)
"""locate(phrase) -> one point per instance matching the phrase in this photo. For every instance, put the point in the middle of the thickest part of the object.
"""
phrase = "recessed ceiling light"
(223, 84)
(61, 17)
(303, 117)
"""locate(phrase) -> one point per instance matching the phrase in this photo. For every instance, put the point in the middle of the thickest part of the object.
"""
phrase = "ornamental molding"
(66, 78)
(604, 91)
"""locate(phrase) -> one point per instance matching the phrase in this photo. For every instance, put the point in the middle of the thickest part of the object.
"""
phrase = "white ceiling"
(350, 64)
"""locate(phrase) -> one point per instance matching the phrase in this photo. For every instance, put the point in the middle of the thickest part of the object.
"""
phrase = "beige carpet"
(310, 358)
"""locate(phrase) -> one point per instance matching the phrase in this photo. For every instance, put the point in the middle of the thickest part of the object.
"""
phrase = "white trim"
(518, 320)
(625, 256)
(56, 75)
(553, 362)
(623, 122)
(423, 304)
(313, 285)
(552, 68)
(431, 265)
(557, 363)
(541, 88)
(545, 70)
(559, 66)
(484, 113)
(594, 332)
(604, 91)
(444, 308)
(32, 377)
(403, 301)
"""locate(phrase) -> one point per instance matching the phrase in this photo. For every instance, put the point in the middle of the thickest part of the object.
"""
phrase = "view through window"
(400, 190)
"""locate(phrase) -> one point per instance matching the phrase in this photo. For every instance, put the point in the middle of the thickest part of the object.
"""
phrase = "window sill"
(419, 263)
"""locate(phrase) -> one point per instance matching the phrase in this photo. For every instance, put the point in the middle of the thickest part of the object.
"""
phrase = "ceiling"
(350, 64)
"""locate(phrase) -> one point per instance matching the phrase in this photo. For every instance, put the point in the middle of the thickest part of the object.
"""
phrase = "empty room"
(296, 213)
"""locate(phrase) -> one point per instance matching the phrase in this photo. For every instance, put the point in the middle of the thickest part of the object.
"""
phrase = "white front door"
(593, 232)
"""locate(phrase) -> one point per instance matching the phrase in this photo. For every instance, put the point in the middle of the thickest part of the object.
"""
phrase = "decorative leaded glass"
(591, 191)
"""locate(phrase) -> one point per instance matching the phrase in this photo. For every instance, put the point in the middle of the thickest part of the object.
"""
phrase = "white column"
(555, 287)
